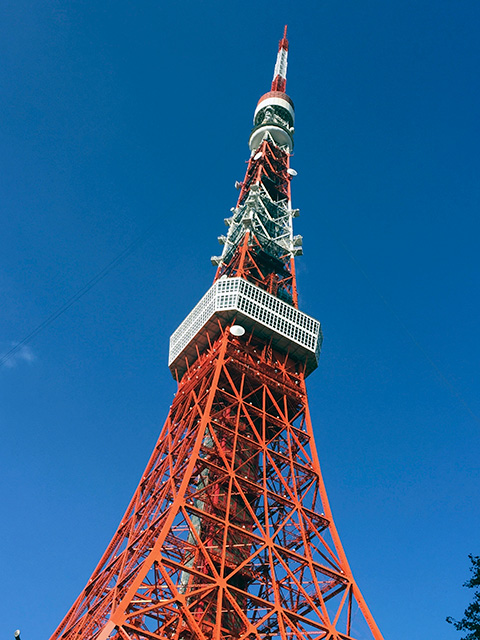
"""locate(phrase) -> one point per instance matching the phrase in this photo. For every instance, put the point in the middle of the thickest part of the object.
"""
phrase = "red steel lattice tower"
(229, 535)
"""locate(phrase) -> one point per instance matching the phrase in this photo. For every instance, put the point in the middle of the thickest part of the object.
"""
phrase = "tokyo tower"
(229, 535)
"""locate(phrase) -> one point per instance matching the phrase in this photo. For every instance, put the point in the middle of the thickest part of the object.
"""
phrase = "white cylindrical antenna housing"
(275, 115)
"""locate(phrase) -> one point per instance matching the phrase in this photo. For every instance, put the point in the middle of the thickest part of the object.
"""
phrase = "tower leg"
(229, 534)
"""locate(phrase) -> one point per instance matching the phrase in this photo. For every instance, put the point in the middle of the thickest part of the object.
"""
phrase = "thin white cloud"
(24, 354)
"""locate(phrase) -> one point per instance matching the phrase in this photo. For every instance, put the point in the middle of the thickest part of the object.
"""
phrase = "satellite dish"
(237, 330)
(238, 185)
(258, 155)
(292, 172)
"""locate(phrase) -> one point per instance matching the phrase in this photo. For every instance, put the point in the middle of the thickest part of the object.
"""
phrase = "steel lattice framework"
(229, 535)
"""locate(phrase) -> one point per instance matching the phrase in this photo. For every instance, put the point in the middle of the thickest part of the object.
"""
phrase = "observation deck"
(236, 300)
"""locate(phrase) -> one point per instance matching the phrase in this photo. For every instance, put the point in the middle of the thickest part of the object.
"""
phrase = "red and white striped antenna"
(280, 74)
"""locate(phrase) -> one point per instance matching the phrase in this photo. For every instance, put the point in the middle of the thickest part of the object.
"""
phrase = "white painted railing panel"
(239, 295)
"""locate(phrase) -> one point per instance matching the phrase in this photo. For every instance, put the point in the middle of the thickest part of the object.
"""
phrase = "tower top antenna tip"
(280, 73)
(283, 44)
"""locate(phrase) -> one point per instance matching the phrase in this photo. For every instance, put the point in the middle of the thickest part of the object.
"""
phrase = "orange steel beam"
(250, 496)
(230, 535)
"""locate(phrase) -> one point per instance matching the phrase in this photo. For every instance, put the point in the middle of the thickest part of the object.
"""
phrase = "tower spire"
(280, 73)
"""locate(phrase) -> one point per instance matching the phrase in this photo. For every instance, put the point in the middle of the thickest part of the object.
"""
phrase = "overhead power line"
(123, 255)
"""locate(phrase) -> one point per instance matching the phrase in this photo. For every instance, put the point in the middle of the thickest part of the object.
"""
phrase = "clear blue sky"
(117, 115)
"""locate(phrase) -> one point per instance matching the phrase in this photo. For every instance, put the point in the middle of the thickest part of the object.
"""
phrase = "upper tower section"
(260, 246)
(255, 285)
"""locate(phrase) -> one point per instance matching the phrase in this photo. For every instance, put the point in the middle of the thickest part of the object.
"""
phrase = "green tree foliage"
(471, 617)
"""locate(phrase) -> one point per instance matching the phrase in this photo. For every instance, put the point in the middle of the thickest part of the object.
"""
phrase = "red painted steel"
(280, 83)
(268, 167)
(229, 535)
